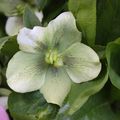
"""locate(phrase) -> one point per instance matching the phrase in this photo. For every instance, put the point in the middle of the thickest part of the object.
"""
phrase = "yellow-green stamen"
(52, 57)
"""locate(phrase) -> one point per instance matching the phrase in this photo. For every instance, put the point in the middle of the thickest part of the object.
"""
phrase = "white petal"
(82, 63)
(26, 72)
(39, 15)
(65, 19)
(13, 25)
(63, 31)
(56, 87)
(31, 40)
(3, 102)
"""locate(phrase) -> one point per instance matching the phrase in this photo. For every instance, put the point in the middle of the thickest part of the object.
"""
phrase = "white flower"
(14, 24)
(51, 58)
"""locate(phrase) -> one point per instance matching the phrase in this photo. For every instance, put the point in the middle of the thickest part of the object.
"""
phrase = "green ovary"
(52, 57)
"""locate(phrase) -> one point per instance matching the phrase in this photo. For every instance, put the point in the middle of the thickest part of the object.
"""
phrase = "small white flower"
(14, 24)
(51, 58)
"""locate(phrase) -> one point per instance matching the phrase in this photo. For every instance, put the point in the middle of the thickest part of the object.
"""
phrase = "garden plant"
(59, 59)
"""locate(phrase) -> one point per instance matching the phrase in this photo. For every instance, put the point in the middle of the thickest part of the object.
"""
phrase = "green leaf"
(0, 77)
(80, 93)
(108, 21)
(2, 25)
(113, 59)
(3, 41)
(115, 93)
(85, 13)
(3, 60)
(31, 106)
(41, 3)
(3, 64)
(8, 45)
(10, 7)
(4, 92)
(30, 19)
(100, 50)
(98, 107)
(52, 9)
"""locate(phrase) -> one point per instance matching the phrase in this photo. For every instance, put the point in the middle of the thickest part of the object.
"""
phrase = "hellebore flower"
(3, 106)
(51, 58)
(14, 24)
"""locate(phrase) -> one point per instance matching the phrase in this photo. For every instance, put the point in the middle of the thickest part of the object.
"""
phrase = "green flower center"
(52, 57)
(19, 10)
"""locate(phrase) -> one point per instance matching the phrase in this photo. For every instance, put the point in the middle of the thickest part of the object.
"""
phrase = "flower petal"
(26, 72)
(31, 40)
(39, 15)
(56, 87)
(63, 31)
(13, 25)
(3, 114)
(3, 102)
(82, 63)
